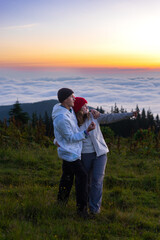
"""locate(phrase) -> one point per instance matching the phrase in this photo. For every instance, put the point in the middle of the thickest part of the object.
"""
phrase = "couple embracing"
(83, 150)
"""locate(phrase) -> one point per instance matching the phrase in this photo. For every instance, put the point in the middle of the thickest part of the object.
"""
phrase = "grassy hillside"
(29, 179)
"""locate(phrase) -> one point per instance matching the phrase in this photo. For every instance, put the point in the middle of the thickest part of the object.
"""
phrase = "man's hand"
(56, 143)
(91, 127)
(95, 113)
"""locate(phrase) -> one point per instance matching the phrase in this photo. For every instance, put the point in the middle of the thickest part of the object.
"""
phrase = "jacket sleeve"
(66, 131)
(113, 117)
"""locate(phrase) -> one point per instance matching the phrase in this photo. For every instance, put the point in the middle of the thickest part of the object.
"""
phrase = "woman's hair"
(82, 117)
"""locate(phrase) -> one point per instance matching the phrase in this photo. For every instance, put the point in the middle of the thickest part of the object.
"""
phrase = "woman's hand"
(135, 114)
(95, 113)
(91, 127)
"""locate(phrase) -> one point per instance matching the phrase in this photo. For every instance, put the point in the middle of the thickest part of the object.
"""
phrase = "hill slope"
(38, 107)
(29, 182)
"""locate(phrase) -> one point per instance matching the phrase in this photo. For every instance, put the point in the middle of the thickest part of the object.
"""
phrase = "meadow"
(29, 178)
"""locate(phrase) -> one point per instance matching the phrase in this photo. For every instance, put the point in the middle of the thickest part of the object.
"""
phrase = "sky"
(108, 51)
(80, 33)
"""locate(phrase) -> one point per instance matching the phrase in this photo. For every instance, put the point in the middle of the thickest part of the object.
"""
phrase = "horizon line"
(29, 67)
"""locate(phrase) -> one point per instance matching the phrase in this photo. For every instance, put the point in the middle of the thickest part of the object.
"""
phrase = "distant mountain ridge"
(38, 107)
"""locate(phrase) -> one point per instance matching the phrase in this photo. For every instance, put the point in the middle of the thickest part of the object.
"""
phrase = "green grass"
(29, 179)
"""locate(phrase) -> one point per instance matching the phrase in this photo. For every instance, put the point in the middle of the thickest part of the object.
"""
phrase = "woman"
(94, 150)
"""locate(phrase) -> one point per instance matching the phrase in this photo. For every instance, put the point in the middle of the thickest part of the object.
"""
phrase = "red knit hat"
(78, 104)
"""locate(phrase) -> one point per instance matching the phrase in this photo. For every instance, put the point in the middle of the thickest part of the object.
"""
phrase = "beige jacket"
(96, 136)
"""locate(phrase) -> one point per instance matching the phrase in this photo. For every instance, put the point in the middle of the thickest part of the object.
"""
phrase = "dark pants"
(71, 169)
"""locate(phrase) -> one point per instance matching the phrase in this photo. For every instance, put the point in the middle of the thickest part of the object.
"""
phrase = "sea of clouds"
(100, 88)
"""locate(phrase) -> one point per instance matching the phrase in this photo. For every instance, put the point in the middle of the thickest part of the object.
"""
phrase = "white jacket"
(96, 136)
(67, 133)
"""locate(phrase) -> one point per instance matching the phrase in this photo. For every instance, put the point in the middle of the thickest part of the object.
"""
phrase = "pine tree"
(157, 124)
(47, 124)
(157, 120)
(17, 113)
(101, 110)
(116, 109)
(122, 110)
(150, 119)
(143, 124)
(34, 119)
(112, 111)
(137, 110)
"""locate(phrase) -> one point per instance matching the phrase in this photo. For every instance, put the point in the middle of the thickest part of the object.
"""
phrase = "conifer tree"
(49, 125)
(157, 120)
(112, 111)
(157, 124)
(150, 119)
(101, 110)
(122, 110)
(17, 113)
(34, 119)
(143, 124)
(116, 109)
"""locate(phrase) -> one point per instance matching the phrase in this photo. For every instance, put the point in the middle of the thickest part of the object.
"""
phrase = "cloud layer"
(126, 89)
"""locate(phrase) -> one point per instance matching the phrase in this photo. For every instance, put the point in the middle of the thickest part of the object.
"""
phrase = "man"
(69, 138)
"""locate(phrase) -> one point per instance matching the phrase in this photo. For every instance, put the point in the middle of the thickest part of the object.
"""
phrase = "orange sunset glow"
(110, 34)
(111, 61)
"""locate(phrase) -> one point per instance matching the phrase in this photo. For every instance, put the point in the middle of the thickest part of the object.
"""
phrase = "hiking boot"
(83, 213)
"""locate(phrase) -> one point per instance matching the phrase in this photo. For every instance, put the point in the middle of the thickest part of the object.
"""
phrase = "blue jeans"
(95, 167)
